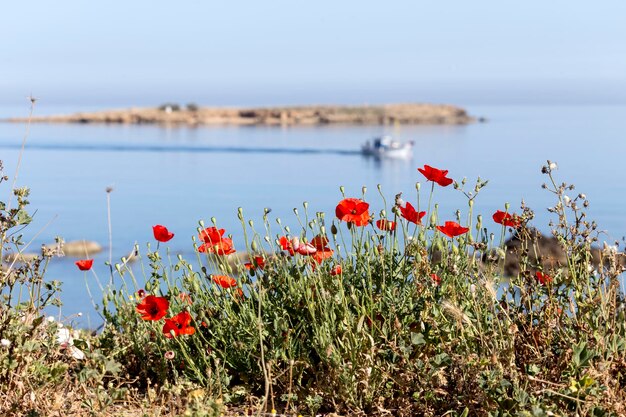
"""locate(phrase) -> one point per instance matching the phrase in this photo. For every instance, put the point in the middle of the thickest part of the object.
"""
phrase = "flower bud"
(418, 186)
(251, 223)
(364, 190)
(333, 229)
(305, 204)
(342, 189)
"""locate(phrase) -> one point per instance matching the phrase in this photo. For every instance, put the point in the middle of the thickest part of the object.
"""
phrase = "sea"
(177, 176)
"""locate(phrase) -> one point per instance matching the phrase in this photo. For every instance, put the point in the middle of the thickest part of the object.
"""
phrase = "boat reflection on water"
(386, 147)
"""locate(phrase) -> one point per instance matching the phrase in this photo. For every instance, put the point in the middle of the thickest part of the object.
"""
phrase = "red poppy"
(285, 244)
(153, 307)
(506, 219)
(436, 175)
(224, 281)
(178, 325)
(409, 213)
(543, 278)
(161, 233)
(335, 270)
(435, 279)
(257, 262)
(386, 225)
(214, 242)
(353, 210)
(84, 264)
(452, 229)
(322, 251)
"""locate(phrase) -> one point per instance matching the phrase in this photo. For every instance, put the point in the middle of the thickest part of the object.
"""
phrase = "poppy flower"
(84, 264)
(322, 251)
(543, 278)
(141, 293)
(285, 244)
(435, 279)
(161, 233)
(452, 229)
(409, 213)
(353, 210)
(506, 219)
(224, 281)
(302, 248)
(214, 242)
(153, 307)
(436, 175)
(257, 262)
(386, 225)
(335, 270)
(178, 325)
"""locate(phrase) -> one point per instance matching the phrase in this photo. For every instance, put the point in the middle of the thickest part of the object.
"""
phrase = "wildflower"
(169, 355)
(436, 175)
(224, 281)
(452, 229)
(153, 307)
(435, 279)
(386, 225)
(335, 270)
(506, 219)
(141, 293)
(285, 244)
(257, 262)
(185, 298)
(543, 278)
(84, 264)
(353, 210)
(409, 213)
(161, 233)
(5, 342)
(322, 251)
(66, 341)
(214, 242)
(302, 248)
(178, 325)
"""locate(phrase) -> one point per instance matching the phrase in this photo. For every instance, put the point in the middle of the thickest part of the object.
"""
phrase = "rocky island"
(298, 115)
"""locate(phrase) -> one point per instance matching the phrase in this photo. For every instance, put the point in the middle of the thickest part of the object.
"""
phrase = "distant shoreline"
(171, 114)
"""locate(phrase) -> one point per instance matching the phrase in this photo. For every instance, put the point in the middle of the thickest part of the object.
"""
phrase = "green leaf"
(417, 339)
(23, 217)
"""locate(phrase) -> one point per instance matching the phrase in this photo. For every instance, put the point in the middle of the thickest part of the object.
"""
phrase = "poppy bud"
(287, 229)
(470, 203)
(240, 213)
(323, 230)
(213, 220)
(333, 229)
(267, 239)
(295, 211)
(433, 220)
(364, 190)
(251, 223)
(148, 286)
(342, 189)
(479, 222)
(253, 246)
(383, 214)
(507, 206)
(305, 204)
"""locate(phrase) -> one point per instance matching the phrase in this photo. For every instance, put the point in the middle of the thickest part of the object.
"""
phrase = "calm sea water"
(177, 176)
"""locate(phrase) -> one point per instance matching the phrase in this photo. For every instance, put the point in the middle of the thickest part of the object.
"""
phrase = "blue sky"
(145, 52)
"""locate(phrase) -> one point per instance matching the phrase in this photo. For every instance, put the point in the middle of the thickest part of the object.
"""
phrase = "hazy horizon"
(145, 53)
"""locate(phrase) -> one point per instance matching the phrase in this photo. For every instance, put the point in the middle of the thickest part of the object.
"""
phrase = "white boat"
(386, 147)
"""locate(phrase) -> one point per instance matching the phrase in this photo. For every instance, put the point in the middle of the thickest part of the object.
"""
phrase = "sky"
(147, 52)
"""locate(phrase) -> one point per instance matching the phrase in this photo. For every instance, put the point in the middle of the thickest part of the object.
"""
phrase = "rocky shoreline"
(388, 114)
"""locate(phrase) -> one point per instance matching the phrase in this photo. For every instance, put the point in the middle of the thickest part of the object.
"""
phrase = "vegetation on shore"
(367, 312)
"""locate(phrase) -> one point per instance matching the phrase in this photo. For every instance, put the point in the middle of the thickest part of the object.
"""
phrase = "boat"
(386, 147)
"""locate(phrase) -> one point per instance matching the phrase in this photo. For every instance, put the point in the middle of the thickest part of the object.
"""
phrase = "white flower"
(50, 319)
(5, 342)
(65, 339)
